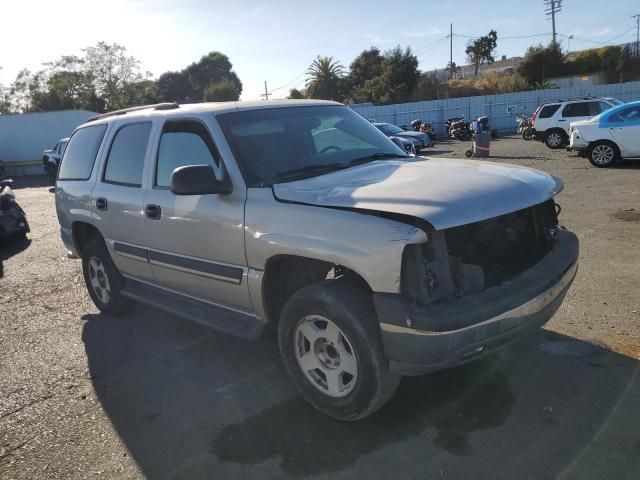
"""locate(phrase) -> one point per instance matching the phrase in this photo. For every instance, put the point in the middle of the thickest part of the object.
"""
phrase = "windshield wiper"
(320, 169)
(311, 169)
(373, 157)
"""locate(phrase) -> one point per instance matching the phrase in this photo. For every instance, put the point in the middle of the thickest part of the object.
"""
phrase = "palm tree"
(324, 78)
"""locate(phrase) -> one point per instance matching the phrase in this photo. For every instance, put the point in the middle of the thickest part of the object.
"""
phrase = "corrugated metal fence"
(501, 109)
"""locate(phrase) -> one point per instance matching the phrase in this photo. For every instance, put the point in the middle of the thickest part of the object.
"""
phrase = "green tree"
(481, 50)
(295, 94)
(324, 79)
(396, 82)
(175, 87)
(367, 65)
(452, 70)
(542, 62)
(223, 91)
(214, 67)
(111, 69)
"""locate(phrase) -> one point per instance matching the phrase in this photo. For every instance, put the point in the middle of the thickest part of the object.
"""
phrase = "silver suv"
(300, 217)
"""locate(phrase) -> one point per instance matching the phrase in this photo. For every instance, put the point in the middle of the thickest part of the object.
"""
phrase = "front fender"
(369, 245)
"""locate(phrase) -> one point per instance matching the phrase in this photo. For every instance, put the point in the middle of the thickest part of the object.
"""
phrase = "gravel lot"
(84, 395)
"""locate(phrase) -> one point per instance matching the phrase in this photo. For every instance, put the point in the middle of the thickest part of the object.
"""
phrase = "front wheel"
(103, 280)
(602, 154)
(527, 134)
(555, 139)
(331, 346)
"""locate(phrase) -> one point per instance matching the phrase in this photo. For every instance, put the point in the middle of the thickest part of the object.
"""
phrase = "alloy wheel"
(554, 139)
(99, 280)
(602, 154)
(325, 356)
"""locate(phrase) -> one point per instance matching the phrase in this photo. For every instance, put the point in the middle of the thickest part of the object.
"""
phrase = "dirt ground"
(84, 395)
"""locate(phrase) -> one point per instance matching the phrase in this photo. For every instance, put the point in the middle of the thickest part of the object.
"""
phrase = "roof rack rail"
(156, 106)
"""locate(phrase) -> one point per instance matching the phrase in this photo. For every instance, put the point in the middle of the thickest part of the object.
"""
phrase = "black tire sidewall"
(358, 324)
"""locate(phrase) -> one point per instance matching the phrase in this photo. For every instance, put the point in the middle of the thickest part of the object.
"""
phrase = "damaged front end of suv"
(496, 264)
(474, 288)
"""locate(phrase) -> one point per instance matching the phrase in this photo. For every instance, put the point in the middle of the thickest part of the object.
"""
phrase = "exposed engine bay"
(470, 258)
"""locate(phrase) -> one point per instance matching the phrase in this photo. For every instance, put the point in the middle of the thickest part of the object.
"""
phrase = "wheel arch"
(285, 274)
(82, 233)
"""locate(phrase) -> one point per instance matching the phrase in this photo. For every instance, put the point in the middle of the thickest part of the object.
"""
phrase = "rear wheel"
(603, 154)
(555, 139)
(331, 346)
(103, 280)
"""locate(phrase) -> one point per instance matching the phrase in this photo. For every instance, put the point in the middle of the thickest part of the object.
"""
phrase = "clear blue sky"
(277, 40)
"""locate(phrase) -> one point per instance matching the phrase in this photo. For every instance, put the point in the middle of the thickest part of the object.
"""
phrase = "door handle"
(101, 203)
(561, 120)
(152, 211)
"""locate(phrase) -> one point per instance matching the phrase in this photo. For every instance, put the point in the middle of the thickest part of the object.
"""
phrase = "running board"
(219, 318)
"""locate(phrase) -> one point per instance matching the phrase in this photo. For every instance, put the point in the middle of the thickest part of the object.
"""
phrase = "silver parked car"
(303, 218)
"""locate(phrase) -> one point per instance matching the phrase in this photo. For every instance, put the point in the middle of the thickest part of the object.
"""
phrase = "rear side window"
(126, 156)
(185, 142)
(81, 153)
(581, 109)
(548, 110)
(631, 114)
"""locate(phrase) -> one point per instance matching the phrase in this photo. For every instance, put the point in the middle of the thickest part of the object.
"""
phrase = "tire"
(603, 154)
(103, 280)
(555, 139)
(527, 134)
(331, 328)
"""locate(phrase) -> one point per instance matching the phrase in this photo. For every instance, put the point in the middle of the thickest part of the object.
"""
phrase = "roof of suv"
(169, 109)
(577, 99)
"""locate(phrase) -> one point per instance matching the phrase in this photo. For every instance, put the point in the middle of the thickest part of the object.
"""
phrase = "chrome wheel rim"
(554, 139)
(325, 356)
(602, 154)
(99, 280)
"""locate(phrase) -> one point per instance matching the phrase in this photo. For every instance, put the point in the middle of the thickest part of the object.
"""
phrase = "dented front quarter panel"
(369, 245)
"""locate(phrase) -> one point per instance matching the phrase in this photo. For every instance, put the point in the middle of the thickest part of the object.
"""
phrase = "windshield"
(615, 101)
(390, 129)
(284, 144)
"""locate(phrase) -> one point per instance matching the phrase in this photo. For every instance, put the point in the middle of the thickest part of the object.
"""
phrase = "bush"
(223, 91)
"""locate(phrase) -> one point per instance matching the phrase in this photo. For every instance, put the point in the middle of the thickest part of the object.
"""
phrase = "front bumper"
(418, 338)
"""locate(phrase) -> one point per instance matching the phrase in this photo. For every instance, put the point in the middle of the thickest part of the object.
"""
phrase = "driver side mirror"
(198, 180)
(7, 182)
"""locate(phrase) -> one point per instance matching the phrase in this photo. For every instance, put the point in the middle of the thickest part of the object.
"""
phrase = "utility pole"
(266, 92)
(551, 8)
(637, 49)
(450, 51)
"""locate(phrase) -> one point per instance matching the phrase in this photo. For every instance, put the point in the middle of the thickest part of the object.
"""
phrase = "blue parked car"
(419, 139)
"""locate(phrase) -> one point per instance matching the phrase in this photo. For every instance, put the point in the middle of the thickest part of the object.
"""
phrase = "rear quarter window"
(81, 152)
(548, 110)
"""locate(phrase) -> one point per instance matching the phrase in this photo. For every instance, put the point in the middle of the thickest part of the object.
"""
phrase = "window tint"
(580, 109)
(326, 137)
(126, 156)
(301, 141)
(184, 143)
(81, 153)
(596, 108)
(631, 114)
(63, 147)
(548, 111)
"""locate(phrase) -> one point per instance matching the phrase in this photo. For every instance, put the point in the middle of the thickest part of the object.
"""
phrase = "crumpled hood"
(446, 193)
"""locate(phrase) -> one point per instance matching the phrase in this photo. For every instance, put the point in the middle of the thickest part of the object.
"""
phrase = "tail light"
(535, 116)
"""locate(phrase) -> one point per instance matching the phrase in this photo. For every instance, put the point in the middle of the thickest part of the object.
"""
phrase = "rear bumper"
(67, 238)
(536, 135)
(419, 338)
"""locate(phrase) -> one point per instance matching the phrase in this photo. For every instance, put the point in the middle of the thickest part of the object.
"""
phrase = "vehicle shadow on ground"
(10, 247)
(190, 403)
(29, 181)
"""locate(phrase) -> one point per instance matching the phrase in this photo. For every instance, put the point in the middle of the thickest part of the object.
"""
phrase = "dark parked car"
(419, 139)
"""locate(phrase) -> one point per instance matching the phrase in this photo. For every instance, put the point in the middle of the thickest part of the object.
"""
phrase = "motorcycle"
(458, 128)
(525, 127)
(13, 220)
(423, 127)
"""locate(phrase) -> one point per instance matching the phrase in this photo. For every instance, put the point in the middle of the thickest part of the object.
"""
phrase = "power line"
(595, 42)
(288, 83)
(430, 44)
